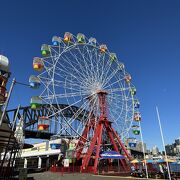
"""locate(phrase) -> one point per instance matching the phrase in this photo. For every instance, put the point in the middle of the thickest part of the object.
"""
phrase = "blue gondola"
(92, 41)
(56, 40)
(136, 103)
(132, 142)
(34, 82)
(55, 146)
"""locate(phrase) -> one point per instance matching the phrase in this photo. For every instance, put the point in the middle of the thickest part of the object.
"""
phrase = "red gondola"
(128, 78)
(43, 123)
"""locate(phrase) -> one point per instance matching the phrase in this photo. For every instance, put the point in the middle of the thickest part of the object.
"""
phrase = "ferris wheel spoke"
(47, 89)
(72, 68)
(68, 85)
(94, 62)
(108, 70)
(78, 61)
(54, 50)
(67, 76)
(76, 115)
(66, 69)
(102, 59)
(67, 95)
(116, 80)
(89, 73)
(111, 76)
(47, 73)
(47, 63)
(90, 59)
(60, 110)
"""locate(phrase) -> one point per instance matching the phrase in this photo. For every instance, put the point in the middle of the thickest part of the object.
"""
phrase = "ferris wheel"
(72, 71)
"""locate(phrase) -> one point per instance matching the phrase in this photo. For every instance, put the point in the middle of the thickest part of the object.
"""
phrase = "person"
(132, 168)
(161, 168)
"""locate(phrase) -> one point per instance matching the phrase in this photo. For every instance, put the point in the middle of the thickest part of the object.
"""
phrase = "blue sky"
(144, 34)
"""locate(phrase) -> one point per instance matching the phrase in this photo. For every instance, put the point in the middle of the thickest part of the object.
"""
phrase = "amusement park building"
(45, 154)
(48, 153)
(155, 150)
(173, 149)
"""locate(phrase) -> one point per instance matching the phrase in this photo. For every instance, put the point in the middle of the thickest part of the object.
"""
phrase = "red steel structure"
(96, 141)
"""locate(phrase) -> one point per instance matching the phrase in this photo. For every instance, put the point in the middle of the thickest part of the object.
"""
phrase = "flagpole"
(158, 116)
(143, 151)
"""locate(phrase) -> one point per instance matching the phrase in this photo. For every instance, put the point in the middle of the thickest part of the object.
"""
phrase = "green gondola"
(45, 50)
(136, 131)
(113, 57)
(80, 38)
(36, 102)
(133, 91)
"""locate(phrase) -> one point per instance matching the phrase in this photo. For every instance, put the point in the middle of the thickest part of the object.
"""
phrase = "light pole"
(163, 142)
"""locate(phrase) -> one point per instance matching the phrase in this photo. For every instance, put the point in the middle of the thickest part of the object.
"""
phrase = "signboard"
(132, 144)
(111, 155)
(66, 162)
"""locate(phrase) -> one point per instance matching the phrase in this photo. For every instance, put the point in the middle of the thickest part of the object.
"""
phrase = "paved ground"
(58, 176)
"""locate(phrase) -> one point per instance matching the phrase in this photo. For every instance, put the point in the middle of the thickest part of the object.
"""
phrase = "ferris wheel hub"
(101, 92)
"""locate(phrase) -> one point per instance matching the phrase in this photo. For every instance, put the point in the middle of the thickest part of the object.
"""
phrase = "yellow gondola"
(103, 48)
(67, 37)
(38, 64)
(137, 116)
